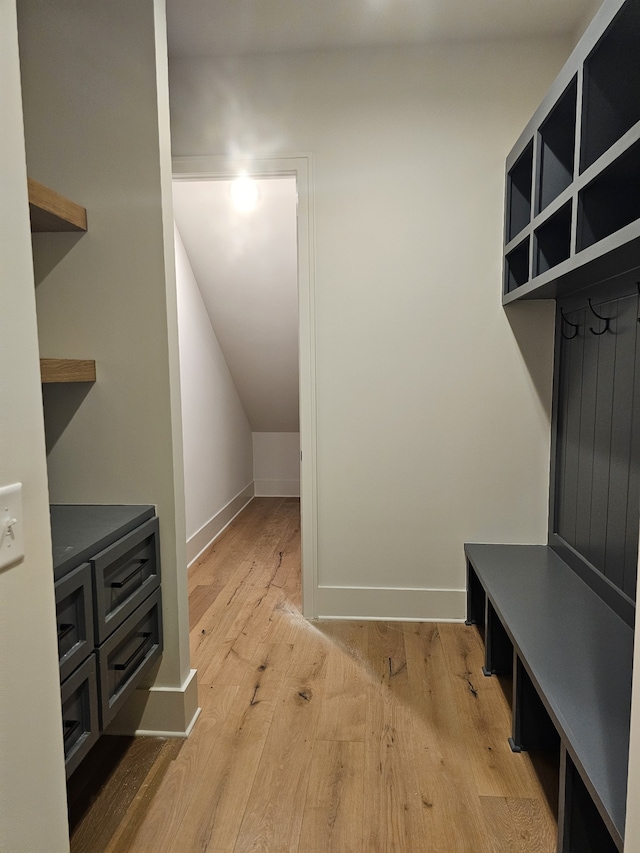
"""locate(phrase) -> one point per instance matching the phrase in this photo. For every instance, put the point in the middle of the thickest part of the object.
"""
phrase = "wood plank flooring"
(353, 737)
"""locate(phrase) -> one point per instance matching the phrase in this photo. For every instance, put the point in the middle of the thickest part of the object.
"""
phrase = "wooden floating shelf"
(51, 211)
(67, 370)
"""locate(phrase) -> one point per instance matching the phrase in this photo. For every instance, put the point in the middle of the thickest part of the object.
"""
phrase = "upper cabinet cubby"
(610, 99)
(611, 200)
(557, 144)
(572, 207)
(51, 211)
(519, 193)
(553, 240)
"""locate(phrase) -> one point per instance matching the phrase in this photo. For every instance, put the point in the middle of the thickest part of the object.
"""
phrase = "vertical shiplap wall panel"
(561, 438)
(587, 415)
(623, 393)
(571, 398)
(597, 468)
(602, 447)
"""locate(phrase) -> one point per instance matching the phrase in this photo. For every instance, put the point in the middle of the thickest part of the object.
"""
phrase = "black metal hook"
(638, 286)
(607, 320)
(569, 323)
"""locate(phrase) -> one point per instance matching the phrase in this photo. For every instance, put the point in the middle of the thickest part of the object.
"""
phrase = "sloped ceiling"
(245, 264)
(230, 27)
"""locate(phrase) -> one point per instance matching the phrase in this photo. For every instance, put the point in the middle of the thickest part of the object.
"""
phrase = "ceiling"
(231, 27)
(245, 263)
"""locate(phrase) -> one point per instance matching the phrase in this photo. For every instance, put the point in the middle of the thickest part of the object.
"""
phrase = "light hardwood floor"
(371, 737)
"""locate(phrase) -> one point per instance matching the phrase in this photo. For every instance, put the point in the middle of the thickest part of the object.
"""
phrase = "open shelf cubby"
(557, 137)
(610, 102)
(519, 182)
(516, 267)
(552, 241)
(611, 200)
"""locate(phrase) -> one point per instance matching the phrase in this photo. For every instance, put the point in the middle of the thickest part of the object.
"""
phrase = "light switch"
(11, 535)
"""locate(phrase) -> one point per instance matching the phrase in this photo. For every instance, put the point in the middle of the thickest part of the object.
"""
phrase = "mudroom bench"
(570, 656)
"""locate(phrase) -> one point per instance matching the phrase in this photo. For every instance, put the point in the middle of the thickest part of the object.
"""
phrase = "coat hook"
(607, 320)
(569, 323)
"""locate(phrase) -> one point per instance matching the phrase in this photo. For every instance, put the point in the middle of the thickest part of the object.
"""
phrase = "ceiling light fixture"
(244, 193)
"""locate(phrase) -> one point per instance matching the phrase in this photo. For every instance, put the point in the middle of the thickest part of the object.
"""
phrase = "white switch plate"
(11, 536)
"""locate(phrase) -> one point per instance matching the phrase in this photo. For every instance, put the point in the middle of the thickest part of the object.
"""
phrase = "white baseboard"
(389, 604)
(202, 538)
(159, 711)
(277, 488)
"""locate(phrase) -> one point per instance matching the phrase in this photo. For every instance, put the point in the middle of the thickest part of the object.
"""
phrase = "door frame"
(299, 166)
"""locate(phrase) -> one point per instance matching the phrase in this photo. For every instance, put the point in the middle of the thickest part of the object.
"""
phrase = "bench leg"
(475, 599)
(498, 648)
(564, 804)
(531, 724)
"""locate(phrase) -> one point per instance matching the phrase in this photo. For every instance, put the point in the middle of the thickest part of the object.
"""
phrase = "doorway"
(295, 174)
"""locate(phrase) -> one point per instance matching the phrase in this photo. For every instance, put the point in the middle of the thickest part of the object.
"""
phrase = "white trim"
(154, 733)
(210, 530)
(277, 488)
(300, 165)
(389, 604)
(160, 711)
(386, 619)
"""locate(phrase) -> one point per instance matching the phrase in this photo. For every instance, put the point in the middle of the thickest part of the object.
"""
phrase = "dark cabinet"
(124, 574)
(127, 654)
(109, 613)
(74, 616)
(80, 720)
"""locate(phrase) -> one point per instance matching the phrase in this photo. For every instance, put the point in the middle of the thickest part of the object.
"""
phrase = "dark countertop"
(79, 531)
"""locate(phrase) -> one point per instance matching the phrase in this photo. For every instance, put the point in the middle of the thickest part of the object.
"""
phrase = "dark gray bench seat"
(576, 653)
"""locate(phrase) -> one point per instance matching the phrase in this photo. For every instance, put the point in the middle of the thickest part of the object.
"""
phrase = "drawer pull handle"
(63, 629)
(119, 584)
(133, 656)
(69, 728)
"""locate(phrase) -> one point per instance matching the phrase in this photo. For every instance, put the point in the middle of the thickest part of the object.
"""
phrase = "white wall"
(97, 131)
(217, 436)
(276, 463)
(32, 780)
(432, 402)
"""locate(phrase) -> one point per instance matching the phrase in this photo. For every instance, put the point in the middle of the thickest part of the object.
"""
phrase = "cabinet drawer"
(80, 723)
(128, 654)
(74, 617)
(124, 574)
